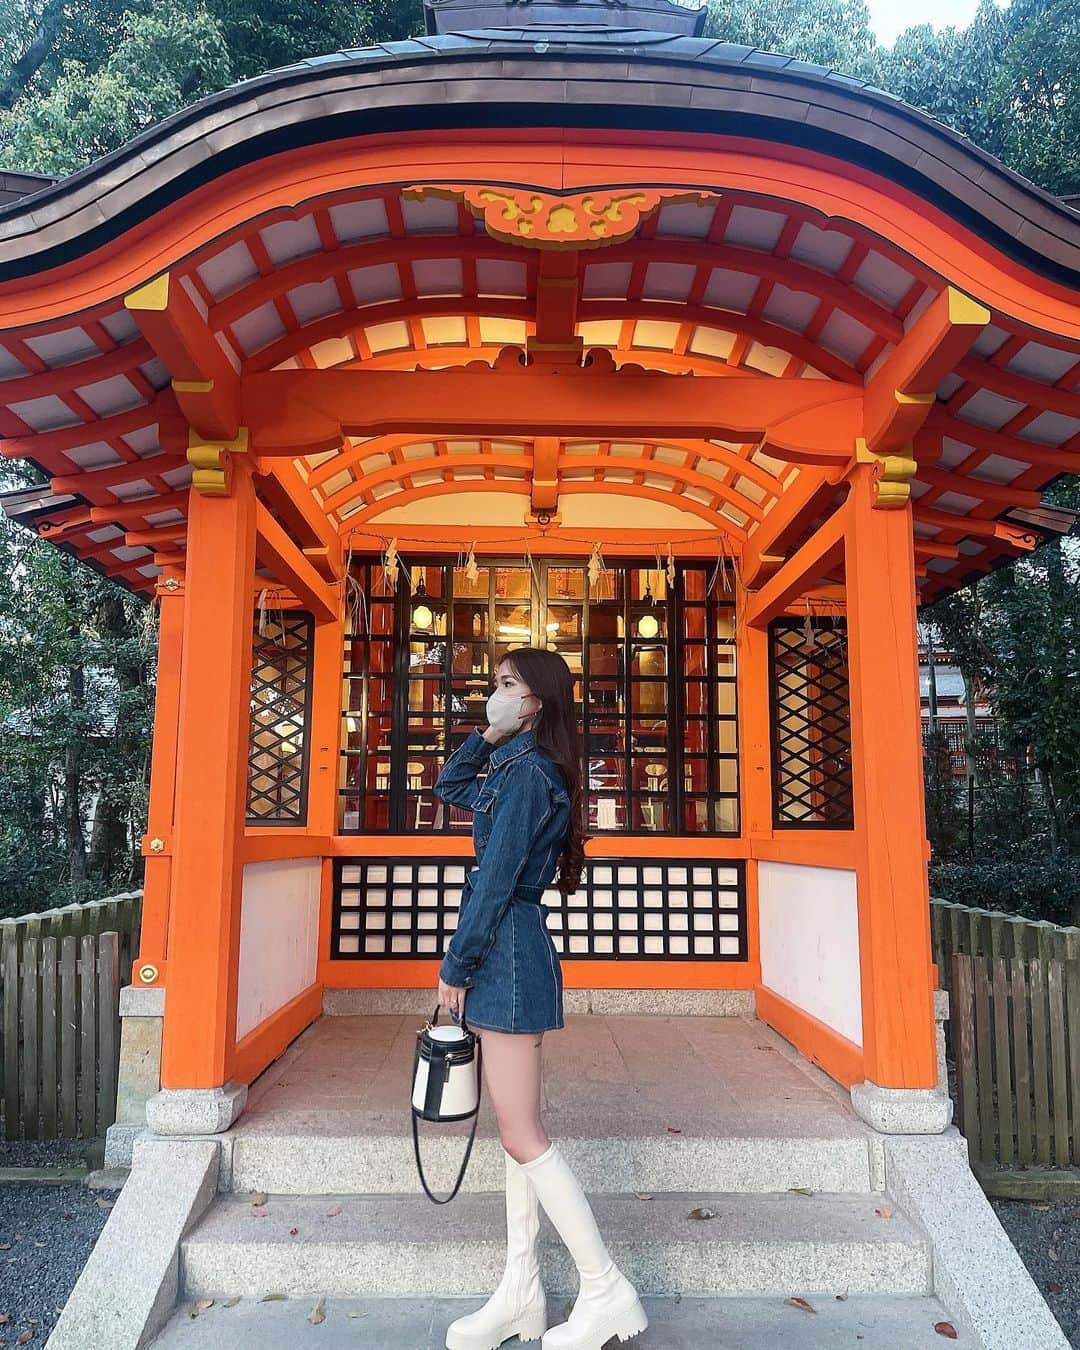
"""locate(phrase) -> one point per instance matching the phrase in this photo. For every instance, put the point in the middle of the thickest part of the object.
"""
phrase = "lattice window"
(626, 909)
(280, 712)
(811, 725)
(655, 688)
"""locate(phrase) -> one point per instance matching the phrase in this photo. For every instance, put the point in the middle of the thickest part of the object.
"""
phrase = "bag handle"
(472, 1133)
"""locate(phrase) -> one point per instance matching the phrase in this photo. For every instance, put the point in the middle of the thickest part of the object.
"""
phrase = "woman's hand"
(452, 998)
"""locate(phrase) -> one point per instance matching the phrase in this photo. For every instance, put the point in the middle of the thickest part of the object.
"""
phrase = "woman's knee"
(523, 1147)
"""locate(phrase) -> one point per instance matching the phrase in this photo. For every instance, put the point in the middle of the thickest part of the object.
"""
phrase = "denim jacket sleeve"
(520, 808)
(457, 782)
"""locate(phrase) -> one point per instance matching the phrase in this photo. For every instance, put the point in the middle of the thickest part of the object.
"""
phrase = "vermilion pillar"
(212, 737)
(890, 817)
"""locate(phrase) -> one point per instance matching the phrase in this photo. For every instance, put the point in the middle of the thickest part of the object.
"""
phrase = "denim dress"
(501, 951)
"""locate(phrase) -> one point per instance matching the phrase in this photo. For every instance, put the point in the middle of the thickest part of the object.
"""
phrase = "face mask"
(504, 711)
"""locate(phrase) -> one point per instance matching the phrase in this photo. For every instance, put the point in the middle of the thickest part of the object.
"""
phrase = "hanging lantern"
(422, 616)
(648, 626)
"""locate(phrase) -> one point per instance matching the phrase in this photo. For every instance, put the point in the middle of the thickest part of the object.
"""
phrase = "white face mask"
(504, 711)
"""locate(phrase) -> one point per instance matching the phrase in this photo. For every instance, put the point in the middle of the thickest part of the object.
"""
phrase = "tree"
(76, 689)
(832, 33)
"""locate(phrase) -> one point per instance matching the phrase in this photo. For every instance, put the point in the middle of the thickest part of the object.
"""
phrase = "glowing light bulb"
(648, 627)
(422, 617)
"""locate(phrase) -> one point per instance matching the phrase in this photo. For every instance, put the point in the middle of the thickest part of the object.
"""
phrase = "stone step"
(361, 1162)
(357, 1246)
(879, 1322)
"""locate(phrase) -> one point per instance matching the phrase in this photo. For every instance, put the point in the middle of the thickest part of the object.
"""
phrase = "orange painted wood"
(576, 974)
(326, 727)
(204, 918)
(293, 412)
(811, 848)
(755, 772)
(276, 551)
(600, 846)
(840, 1058)
(805, 498)
(900, 393)
(205, 384)
(568, 159)
(448, 539)
(160, 814)
(890, 823)
(273, 845)
(261, 1046)
(817, 557)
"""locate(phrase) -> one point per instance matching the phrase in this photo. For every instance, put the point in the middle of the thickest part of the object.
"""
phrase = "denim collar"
(516, 745)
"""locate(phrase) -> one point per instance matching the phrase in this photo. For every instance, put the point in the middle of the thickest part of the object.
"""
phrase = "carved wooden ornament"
(578, 220)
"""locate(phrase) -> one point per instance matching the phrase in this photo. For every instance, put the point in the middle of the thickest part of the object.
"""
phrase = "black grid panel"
(627, 909)
(811, 725)
(280, 714)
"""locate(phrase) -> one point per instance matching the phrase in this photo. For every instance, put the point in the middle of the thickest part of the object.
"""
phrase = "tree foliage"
(76, 688)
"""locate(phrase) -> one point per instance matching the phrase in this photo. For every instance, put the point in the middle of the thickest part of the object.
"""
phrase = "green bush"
(1035, 887)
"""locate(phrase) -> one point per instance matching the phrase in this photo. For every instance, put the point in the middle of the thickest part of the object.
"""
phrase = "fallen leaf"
(643, 1195)
(105, 1204)
(361, 1314)
(1053, 1287)
(259, 1198)
(674, 1129)
(800, 1303)
(333, 1213)
(1040, 1206)
(24, 1337)
(273, 1298)
(884, 1212)
(946, 1329)
(1052, 1254)
(316, 1315)
(800, 1190)
(841, 1298)
(702, 1213)
(230, 1303)
(5, 1318)
(293, 1232)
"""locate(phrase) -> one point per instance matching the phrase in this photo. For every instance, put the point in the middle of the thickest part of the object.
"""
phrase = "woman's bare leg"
(512, 1068)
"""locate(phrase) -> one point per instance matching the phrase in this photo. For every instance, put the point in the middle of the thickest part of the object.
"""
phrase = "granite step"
(393, 1245)
(881, 1322)
(295, 1160)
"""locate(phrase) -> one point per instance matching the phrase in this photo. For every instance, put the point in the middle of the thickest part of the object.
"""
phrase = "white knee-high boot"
(517, 1307)
(607, 1303)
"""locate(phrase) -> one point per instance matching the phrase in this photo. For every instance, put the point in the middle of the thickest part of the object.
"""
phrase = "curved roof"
(797, 271)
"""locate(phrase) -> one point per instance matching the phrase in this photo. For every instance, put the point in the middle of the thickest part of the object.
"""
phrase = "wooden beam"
(131, 471)
(1006, 494)
(555, 341)
(817, 557)
(545, 471)
(204, 382)
(901, 393)
(298, 412)
(275, 550)
(280, 485)
(120, 512)
(801, 501)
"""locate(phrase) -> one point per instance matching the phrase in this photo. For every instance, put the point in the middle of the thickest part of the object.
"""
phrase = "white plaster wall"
(809, 929)
(279, 937)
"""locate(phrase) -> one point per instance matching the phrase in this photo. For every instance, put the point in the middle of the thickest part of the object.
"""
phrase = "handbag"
(446, 1085)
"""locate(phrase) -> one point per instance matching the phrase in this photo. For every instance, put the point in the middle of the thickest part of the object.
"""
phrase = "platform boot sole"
(631, 1321)
(528, 1328)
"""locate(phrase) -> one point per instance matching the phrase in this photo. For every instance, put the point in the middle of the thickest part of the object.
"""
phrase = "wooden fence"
(1016, 1037)
(60, 979)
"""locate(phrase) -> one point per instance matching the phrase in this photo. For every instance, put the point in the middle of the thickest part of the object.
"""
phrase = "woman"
(527, 826)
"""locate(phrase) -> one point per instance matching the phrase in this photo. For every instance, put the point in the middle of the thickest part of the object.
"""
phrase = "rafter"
(815, 560)
(283, 489)
(901, 393)
(204, 382)
(800, 503)
(276, 551)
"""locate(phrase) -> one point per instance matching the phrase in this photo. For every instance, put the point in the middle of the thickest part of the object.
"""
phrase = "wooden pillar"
(150, 967)
(324, 733)
(890, 816)
(207, 865)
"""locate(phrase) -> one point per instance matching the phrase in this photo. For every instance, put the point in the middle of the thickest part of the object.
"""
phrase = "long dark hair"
(557, 735)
